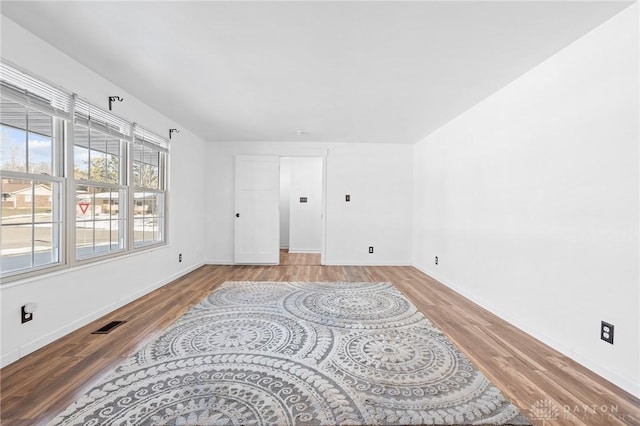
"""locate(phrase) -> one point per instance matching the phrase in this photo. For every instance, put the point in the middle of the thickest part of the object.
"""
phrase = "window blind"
(103, 121)
(148, 138)
(35, 93)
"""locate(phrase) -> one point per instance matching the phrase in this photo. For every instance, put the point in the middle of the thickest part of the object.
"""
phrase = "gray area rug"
(263, 353)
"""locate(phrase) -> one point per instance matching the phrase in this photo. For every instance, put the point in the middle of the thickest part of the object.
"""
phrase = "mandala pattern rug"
(266, 353)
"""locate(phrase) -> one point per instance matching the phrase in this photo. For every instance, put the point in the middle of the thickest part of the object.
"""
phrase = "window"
(149, 176)
(98, 168)
(108, 199)
(32, 207)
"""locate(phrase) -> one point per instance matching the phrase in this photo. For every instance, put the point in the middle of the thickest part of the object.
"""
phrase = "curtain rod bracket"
(112, 99)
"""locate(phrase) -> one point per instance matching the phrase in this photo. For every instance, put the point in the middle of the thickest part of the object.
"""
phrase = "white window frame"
(59, 240)
(122, 185)
(146, 138)
(68, 111)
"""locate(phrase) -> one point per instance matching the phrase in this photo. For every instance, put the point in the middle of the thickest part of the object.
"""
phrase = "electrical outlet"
(180, 257)
(26, 316)
(436, 260)
(606, 332)
(371, 249)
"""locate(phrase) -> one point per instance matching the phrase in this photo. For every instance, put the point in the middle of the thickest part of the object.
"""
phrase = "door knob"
(237, 214)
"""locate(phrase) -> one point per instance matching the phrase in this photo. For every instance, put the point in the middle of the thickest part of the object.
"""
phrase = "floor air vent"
(109, 327)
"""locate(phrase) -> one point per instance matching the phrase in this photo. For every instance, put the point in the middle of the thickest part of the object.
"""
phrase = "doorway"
(301, 210)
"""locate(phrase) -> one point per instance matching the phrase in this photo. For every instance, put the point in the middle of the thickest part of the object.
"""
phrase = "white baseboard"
(219, 262)
(301, 251)
(366, 263)
(613, 377)
(42, 341)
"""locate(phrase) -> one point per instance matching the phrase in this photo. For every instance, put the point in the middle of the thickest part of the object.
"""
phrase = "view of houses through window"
(31, 196)
(100, 185)
(117, 178)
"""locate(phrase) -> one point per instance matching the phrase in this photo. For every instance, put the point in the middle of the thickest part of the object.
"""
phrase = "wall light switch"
(347, 198)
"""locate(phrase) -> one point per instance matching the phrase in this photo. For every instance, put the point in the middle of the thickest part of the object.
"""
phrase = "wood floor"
(299, 259)
(37, 387)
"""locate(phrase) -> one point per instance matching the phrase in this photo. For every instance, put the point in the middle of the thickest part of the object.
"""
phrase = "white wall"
(71, 298)
(305, 219)
(530, 201)
(377, 176)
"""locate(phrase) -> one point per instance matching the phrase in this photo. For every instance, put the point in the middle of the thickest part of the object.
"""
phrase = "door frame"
(322, 154)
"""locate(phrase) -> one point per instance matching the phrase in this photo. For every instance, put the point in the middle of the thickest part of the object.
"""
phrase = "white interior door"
(257, 193)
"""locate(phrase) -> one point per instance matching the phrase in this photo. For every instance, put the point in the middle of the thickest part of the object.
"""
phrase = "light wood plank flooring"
(298, 259)
(40, 385)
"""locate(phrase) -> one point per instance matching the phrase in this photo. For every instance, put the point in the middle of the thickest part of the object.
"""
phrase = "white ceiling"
(341, 71)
